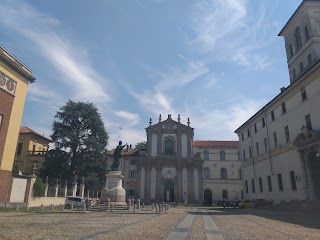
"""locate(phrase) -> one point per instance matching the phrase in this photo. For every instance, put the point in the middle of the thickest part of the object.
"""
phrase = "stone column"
(159, 190)
(82, 187)
(200, 182)
(56, 190)
(66, 188)
(190, 184)
(179, 197)
(47, 187)
(75, 186)
(147, 185)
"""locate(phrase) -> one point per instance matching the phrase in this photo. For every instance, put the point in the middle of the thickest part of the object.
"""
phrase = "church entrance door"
(315, 173)
(207, 197)
(169, 191)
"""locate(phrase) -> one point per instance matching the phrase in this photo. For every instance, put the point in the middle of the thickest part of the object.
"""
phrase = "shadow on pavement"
(309, 218)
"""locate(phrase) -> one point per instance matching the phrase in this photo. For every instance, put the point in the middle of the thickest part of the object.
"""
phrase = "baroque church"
(169, 170)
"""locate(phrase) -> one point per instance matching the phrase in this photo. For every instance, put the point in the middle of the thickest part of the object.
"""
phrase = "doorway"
(315, 173)
(207, 197)
(169, 191)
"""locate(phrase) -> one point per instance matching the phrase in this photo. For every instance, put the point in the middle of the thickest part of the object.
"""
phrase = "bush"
(39, 188)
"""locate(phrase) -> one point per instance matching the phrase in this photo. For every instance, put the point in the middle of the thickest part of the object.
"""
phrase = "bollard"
(41, 208)
(62, 207)
(152, 206)
(83, 208)
(138, 204)
(132, 202)
(134, 207)
(112, 207)
(168, 207)
(108, 204)
(157, 210)
(129, 204)
(142, 205)
(71, 206)
(17, 208)
(51, 207)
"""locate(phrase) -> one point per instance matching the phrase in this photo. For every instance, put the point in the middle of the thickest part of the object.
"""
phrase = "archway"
(169, 191)
(207, 197)
(315, 173)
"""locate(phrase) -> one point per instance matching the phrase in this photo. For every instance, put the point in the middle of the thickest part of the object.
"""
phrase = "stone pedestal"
(114, 190)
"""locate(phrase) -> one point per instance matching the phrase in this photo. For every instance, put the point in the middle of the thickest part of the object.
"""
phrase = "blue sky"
(214, 61)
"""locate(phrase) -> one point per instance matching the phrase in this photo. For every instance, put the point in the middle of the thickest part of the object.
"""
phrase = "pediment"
(306, 137)
(168, 124)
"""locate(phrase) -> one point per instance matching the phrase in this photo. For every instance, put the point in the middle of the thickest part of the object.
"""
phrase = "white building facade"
(221, 170)
(279, 145)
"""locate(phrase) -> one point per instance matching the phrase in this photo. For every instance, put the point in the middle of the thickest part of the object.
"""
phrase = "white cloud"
(231, 30)
(132, 118)
(70, 61)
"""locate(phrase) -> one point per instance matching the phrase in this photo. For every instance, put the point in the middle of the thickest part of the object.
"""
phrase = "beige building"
(31, 149)
(221, 170)
(280, 144)
(176, 168)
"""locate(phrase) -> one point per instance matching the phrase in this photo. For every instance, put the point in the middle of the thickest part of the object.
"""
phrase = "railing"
(37, 153)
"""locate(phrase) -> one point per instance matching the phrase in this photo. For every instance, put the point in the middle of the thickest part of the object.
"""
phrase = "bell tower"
(302, 38)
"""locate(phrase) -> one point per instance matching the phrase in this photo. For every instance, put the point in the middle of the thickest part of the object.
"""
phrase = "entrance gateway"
(169, 191)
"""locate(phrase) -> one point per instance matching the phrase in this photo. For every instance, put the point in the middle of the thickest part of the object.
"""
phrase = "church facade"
(175, 168)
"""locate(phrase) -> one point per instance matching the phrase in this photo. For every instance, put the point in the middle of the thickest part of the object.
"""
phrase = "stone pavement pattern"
(193, 222)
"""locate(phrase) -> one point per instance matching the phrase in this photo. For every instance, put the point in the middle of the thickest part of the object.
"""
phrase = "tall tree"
(79, 130)
(141, 145)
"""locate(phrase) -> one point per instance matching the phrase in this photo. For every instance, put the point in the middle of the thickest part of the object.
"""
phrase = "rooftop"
(25, 130)
(217, 144)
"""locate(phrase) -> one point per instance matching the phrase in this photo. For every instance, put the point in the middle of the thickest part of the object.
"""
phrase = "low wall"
(46, 201)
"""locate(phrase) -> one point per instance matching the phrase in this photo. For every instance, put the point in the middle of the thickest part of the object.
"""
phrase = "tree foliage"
(141, 145)
(80, 139)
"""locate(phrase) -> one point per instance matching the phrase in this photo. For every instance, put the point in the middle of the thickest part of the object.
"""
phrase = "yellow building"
(31, 149)
(14, 80)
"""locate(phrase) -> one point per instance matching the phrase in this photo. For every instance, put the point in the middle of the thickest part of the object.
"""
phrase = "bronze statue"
(117, 157)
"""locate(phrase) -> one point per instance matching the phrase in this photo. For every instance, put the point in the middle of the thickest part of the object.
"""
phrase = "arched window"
(169, 147)
(206, 173)
(205, 155)
(223, 173)
(298, 38)
(222, 155)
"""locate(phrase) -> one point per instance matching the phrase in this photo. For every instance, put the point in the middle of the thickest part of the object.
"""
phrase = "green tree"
(79, 131)
(141, 145)
(56, 164)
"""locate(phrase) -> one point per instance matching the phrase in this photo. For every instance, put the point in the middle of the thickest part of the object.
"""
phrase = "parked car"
(225, 204)
(246, 203)
(262, 203)
(76, 201)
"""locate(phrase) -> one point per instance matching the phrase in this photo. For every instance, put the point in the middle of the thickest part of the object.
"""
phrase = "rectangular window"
(272, 116)
(303, 94)
(265, 145)
(247, 190)
(19, 148)
(280, 184)
(284, 109)
(263, 122)
(294, 73)
(286, 130)
(309, 59)
(301, 67)
(269, 183)
(248, 131)
(257, 148)
(250, 152)
(293, 181)
(224, 194)
(306, 32)
(131, 174)
(255, 127)
(132, 162)
(242, 137)
(308, 121)
(252, 185)
(290, 51)
(260, 184)
(275, 139)
(244, 155)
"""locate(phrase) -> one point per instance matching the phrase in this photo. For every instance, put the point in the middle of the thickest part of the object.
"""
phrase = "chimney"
(150, 122)
(282, 89)
(169, 116)
(178, 117)
(188, 122)
(160, 118)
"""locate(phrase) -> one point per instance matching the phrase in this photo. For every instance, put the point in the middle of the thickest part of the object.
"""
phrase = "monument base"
(113, 190)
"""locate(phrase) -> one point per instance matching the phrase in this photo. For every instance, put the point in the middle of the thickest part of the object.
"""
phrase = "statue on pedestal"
(117, 157)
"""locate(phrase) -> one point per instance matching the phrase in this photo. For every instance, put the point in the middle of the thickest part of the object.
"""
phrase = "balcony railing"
(37, 153)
